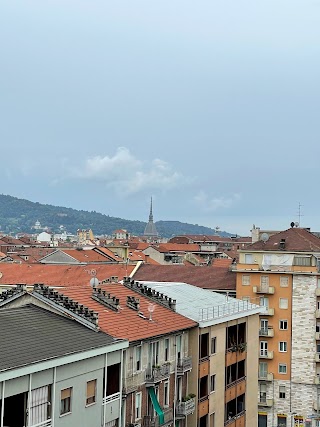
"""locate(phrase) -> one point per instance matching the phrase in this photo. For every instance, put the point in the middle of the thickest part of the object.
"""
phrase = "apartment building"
(56, 367)
(281, 273)
(224, 353)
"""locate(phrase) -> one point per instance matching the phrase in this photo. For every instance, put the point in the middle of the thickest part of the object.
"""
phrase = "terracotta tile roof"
(296, 240)
(127, 323)
(88, 256)
(206, 277)
(107, 252)
(52, 275)
(140, 256)
(176, 247)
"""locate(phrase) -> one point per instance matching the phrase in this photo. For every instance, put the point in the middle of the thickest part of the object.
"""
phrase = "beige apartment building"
(281, 273)
(224, 376)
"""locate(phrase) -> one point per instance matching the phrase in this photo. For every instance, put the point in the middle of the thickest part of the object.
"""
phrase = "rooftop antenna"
(151, 308)
(299, 215)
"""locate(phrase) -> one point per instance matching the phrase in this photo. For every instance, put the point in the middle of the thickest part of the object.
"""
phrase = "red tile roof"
(296, 240)
(127, 323)
(206, 277)
(88, 256)
(73, 275)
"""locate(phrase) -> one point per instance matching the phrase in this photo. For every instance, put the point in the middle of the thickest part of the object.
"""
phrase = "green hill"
(19, 215)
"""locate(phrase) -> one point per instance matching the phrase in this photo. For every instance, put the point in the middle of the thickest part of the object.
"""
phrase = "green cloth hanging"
(156, 405)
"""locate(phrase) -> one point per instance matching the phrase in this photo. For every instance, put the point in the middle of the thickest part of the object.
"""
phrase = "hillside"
(19, 215)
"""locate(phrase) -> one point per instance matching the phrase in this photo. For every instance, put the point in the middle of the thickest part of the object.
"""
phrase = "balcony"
(184, 365)
(234, 355)
(266, 332)
(234, 389)
(203, 406)
(265, 402)
(47, 423)
(265, 354)
(268, 312)
(204, 367)
(186, 408)
(317, 357)
(156, 374)
(266, 290)
(131, 383)
(150, 421)
(265, 377)
(236, 421)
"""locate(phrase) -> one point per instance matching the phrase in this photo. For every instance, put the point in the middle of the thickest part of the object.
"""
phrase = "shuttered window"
(91, 392)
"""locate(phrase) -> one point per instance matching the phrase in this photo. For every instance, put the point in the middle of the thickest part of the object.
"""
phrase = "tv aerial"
(151, 308)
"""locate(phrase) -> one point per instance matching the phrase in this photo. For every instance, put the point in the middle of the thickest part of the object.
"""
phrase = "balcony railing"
(232, 419)
(111, 398)
(186, 408)
(235, 382)
(150, 421)
(157, 373)
(47, 423)
(265, 377)
(265, 354)
(266, 332)
(263, 290)
(263, 401)
(184, 365)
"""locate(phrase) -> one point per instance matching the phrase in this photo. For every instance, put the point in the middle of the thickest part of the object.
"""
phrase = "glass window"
(65, 401)
(282, 392)
(264, 302)
(282, 368)
(302, 261)
(91, 392)
(138, 358)
(166, 349)
(284, 281)
(263, 369)
(283, 346)
(283, 303)
(264, 280)
(166, 394)
(248, 259)
(281, 421)
(212, 383)
(213, 345)
(138, 405)
(245, 279)
(283, 325)
(263, 348)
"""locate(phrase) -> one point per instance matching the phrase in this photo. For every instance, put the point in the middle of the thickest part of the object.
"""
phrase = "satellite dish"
(264, 237)
(94, 282)
(296, 224)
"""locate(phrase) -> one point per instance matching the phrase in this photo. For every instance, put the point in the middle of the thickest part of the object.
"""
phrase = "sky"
(211, 107)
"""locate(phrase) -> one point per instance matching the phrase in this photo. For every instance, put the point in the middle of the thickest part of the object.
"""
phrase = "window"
(264, 302)
(179, 345)
(154, 353)
(302, 261)
(245, 279)
(212, 383)
(284, 281)
(283, 325)
(138, 405)
(263, 369)
(166, 349)
(263, 393)
(91, 392)
(281, 421)
(283, 346)
(212, 420)
(282, 392)
(138, 358)
(263, 348)
(264, 281)
(282, 368)
(248, 259)
(213, 345)
(166, 394)
(65, 401)
(283, 303)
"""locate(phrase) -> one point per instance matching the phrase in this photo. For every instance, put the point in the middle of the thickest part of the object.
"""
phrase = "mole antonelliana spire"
(150, 230)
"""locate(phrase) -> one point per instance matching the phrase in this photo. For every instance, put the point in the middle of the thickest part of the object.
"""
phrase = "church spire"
(150, 230)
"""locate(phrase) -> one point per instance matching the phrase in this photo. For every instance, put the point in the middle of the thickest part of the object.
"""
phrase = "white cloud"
(210, 204)
(128, 175)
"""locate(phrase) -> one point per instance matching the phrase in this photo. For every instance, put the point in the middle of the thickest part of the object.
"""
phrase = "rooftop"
(32, 334)
(203, 306)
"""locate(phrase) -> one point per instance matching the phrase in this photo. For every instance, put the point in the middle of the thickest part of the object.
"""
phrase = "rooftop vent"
(133, 302)
(9, 293)
(106, 299)
(66, 302)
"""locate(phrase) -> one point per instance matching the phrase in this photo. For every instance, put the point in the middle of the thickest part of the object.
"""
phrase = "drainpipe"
(53, 403)
(29, 399)
(121, 379)
(2, 406)
(175, 381)
(105, 388)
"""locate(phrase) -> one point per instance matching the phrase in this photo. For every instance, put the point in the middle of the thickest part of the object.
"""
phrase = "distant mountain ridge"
(19, 215)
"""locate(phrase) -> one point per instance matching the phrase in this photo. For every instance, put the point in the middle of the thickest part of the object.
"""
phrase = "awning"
(280, 261)
(156, 405)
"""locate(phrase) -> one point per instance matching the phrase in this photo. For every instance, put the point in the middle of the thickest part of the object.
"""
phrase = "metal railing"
(47, 423)
(184, 364)
(233, 418)
(157, 373)
(226, 309)
(111, 398)
(235, 382)
(187, 407)
(151, 421)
